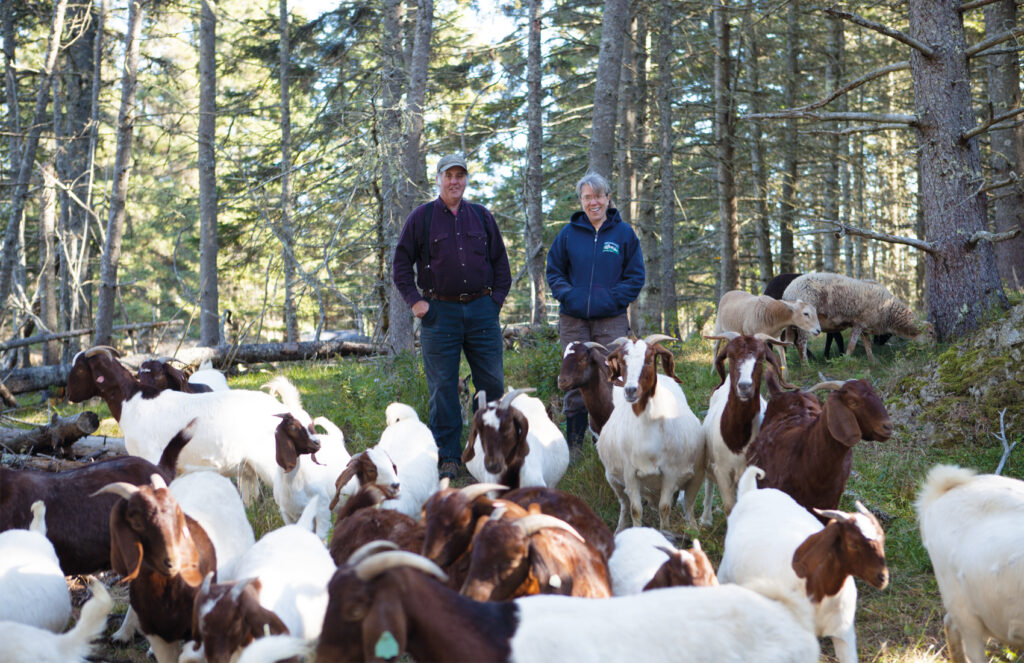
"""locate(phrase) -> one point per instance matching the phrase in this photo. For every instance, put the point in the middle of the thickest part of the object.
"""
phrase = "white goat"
(32, 586)
(770, 536)
(640, 552)
(210, 376)
(410, 446)
(513, 442)
(27, 644)
(971, 527)
(653, 444)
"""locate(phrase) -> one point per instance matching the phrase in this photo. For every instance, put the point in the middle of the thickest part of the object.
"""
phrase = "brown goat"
(569, 508)
(165, 555)
(806, 450)
(584, 367)
(360, 521)
(647, 375)
(161, 375)
(684, 568)
(369, 466)
(79, 527)
(535, 554)
(850, 544)
(226, 617)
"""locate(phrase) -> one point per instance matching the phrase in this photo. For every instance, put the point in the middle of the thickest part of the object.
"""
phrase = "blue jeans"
(447, 330)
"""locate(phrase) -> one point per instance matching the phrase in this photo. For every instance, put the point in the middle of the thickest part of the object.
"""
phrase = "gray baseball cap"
(451, 160)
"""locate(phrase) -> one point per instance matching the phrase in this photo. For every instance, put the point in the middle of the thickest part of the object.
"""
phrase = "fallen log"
(23, 380)
(61, 432)
(96, 446)
(44, 463)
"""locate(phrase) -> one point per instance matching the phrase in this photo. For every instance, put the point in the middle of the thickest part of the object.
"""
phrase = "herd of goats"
(378, 558)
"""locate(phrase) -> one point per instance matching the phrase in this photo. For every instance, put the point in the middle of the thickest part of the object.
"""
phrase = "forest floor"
(945, 400)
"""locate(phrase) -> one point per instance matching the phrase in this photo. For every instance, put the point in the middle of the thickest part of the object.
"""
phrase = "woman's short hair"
(598, 184)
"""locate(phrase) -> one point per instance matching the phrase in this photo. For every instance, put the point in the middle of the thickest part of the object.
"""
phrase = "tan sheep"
(747, 314)
(865, 306)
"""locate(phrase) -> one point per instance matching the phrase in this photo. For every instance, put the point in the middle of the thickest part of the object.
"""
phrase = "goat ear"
(841, 423)
(286, 455)
(522, 428)
(125, 546)
(343, 478)
(817, 560)
(614, 362)
(720, 367)
(772, 358)
(384, 631)
(668, 363)
(469, 452)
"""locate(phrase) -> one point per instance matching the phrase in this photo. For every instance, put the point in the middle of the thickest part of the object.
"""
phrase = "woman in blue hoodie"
(595, 269)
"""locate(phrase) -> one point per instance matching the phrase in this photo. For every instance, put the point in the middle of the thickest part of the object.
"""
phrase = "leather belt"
(462, 298)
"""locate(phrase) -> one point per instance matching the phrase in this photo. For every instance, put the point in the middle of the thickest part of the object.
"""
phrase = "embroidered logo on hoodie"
(611, 247)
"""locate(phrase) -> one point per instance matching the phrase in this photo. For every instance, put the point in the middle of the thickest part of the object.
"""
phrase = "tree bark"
(759, 173)
(790, 145)
(1006, 151)
(291, 323)
(11, 88)
(10, 256)
(209, 305)
(724, 140)
(624, 198)
(962, 283)
(646, 219)
(60, 433)
(415, 186)
(47, 233)
(833, 76)
(614, 25)
(534, 231)
(122, 165)
(666, 247)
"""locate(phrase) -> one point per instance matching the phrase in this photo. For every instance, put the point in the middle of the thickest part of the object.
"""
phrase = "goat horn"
(724, 336)
(157, 481)
(595, 344)
(828, 384)
(102, 349)
(121, 488)
(499, 511)
(370, 568)
(864, 510)
(507, 399)
(538, 521)
(481, 399)
(696, 546)
(443, 483)
(619, 341)
(207, 583)
(668, 551)
(768, 338)
(367, 549)
(841, 516)
(652, 339)
(239, 587)
(478, 489)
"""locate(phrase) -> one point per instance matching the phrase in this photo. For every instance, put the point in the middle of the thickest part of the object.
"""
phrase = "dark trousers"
(447, 330)
(602, 330)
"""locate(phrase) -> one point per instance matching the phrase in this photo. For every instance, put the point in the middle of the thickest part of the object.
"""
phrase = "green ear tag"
(386, 647)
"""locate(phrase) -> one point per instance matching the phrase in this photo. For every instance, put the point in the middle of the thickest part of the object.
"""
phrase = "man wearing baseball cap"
(460, 281)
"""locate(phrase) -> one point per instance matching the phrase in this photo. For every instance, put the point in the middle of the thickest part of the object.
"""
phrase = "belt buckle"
(464, 297)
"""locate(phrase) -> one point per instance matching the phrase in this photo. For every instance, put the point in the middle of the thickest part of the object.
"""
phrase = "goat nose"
(629, 393)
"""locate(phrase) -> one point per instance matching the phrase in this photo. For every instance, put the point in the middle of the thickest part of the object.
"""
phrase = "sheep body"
(747, 314)
(970, 526)
(865, 306)
(32, 585)
(766, 532)
(27, 644)
(546, 459)
(652, 445)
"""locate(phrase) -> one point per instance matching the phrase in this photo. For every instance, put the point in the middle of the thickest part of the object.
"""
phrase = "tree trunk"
(963, 282)
(759, 173)
(724, 139)
(667, 184)
(11, 88)
(397, 316)
(534, 232)
(646, 220)
(414, 159)
(790, 146)
(624, 197)
(614, 27)
(11, 257)
(119, 189)
(291, 323)
(47, 232)
(834, 161)
(1007, 145)
(209, 306)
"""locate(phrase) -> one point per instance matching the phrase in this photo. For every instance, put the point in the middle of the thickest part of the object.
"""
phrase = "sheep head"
(850, 544)
(804, 316)
(503, 431)
(227, 617)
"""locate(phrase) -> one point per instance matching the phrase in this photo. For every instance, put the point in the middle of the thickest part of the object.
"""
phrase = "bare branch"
(996, 39)
(1012, 179)
(986, 236)
(967, 6)
(908, 120)
(870, 76)
(1007, 447)
(898, 35)
(844, 229)
(984, 126)
(858, 129)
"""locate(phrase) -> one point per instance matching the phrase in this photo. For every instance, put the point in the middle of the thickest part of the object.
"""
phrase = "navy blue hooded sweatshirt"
(595, 274)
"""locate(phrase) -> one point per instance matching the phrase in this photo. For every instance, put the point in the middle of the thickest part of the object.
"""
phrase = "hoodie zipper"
(593, 266)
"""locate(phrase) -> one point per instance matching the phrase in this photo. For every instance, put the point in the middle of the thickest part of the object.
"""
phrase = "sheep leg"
(855, 333)
(801, 345)
(866, 341)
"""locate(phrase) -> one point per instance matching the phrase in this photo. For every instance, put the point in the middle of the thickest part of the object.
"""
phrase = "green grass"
(928, 391)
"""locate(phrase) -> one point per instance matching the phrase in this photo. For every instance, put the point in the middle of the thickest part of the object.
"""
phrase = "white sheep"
(513, 442)
(971, 528)
(32, 586)
(866, 306)
(410, 446)
(27, 644)
(747, 314)
(770, 536)
(652, 444)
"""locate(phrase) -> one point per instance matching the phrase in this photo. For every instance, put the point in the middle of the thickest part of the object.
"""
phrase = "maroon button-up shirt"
(466, 253)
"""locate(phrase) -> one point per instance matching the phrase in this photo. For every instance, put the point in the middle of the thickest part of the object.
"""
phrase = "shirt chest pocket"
(476, 242)
(437, 244)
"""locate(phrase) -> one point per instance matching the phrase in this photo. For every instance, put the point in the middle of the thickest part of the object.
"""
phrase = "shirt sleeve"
(406, 256)
(558, 269)
(499, 260)
(633, 273)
